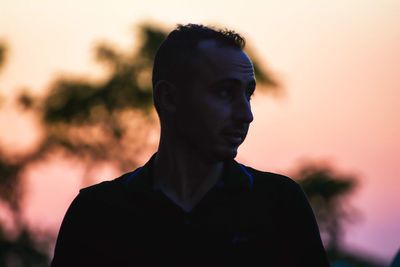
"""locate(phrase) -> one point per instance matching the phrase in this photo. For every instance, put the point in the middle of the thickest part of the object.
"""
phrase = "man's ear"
(166, 95)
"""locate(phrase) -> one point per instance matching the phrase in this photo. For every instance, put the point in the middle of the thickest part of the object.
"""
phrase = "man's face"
(214, 112)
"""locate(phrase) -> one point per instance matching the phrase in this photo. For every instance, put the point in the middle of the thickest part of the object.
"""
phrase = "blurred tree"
(2, 53)
(327, 190)
(18, 245)
(103, 121)
(2, 59)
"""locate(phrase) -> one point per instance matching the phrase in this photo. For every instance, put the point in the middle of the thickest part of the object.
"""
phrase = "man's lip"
(235, 136)
(234, 139)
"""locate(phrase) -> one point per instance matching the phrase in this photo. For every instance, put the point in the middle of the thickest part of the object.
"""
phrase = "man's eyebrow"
(251, 84)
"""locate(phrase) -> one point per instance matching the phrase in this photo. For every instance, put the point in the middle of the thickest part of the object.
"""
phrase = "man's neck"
(183, 175)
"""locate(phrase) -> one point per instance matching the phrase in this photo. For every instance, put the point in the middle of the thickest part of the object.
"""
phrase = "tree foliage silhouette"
(2, 59)
(18, 246)
(2, 53)
(327, 190)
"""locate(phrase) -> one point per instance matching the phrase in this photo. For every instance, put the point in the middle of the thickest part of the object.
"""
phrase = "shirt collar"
(235, 175)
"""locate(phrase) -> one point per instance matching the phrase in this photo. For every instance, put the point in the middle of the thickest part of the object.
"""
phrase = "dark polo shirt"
(248, 218)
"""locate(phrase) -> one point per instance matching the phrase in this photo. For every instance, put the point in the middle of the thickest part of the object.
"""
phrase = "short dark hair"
(173, 57)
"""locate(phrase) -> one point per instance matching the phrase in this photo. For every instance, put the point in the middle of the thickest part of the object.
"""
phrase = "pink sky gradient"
(338, 61)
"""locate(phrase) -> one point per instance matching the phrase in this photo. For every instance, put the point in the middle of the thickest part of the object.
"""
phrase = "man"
(192, 204)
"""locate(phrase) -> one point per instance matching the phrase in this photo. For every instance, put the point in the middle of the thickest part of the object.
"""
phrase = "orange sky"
(338, 60)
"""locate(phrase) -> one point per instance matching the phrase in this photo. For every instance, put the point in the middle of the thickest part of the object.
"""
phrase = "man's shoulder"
(104, 190)
(265, 179)
(278, 189)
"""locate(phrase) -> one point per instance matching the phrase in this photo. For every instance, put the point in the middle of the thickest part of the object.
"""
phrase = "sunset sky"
(338, 62)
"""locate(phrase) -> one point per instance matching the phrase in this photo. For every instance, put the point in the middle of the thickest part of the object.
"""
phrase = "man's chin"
(226, 154)
(222, 154)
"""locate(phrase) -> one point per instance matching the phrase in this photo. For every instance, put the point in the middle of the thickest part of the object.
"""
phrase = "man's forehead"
(212, 49)
(224, 60)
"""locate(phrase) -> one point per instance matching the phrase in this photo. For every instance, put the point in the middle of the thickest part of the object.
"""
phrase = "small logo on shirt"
(239, 238)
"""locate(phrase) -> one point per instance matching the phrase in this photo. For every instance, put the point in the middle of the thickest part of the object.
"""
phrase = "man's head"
(202, 83)
(180, 49)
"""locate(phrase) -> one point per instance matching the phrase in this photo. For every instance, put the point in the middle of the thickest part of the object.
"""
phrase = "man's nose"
(242, 111)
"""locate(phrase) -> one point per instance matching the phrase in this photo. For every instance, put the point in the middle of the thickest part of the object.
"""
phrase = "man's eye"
(225, 93)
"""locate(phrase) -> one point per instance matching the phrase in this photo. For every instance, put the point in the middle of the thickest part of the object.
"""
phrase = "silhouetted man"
(192, 204)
